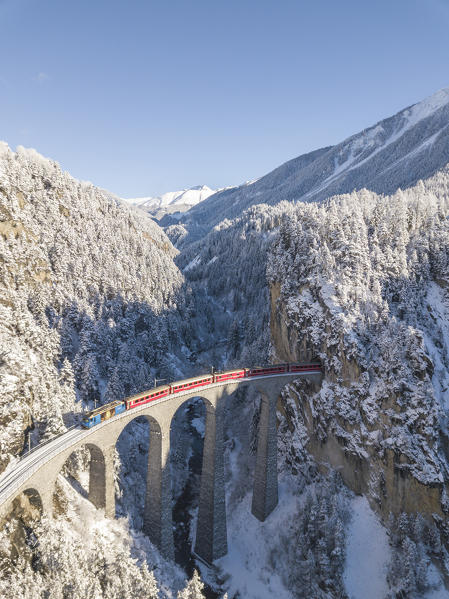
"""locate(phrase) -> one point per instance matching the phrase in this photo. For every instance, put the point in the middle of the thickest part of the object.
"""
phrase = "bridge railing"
(42, 443)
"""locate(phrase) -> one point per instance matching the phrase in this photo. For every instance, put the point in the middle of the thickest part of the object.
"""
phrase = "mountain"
(96, 302)
(396, 152)
(78, 270)
(172, 201)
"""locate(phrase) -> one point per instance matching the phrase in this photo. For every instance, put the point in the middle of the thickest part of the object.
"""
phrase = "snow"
(193, 263)
(372, 137)
(186, 197)
(434, 579)
(249, 543)
(4, 148)
(439, 593)
(438, 306)
(424, 146)
(199, 425)
(368, 554)
(34, 156)
(428, 106)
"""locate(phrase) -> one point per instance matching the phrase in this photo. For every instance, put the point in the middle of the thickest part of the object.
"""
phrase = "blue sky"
(142, 97)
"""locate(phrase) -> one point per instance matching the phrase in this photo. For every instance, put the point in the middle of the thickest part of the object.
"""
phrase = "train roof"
(229, 371)
(270, 366)
(147, 392)
(103, 408)
(200, 377)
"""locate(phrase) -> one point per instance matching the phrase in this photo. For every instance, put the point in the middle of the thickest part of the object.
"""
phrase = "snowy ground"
(434, 578)
(87, 522)
(368, 554)
(249, 544)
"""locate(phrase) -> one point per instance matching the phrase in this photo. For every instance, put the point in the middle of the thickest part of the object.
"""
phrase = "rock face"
(367, 468)
(349, 286)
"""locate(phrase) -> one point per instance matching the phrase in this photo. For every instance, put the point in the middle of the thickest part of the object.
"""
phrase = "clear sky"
(143, 96)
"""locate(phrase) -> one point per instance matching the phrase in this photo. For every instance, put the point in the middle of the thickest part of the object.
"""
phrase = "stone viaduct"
(39, 471)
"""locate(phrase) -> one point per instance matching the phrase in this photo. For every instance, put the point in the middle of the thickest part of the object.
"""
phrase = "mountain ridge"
(396, 152)
(171, 201)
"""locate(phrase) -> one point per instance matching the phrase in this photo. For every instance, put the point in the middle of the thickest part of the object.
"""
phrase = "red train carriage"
(304, 367)
(147, 396)
(128, 403)
(228, 375)
(267, 370)
(187, 384)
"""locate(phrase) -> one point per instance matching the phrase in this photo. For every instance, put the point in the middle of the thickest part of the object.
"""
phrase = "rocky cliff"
(360, 284)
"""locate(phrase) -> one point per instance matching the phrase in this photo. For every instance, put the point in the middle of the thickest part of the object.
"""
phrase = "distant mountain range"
(172, 202)
(396, 152)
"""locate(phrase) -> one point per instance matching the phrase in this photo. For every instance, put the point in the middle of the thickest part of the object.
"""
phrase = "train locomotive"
(116, 407)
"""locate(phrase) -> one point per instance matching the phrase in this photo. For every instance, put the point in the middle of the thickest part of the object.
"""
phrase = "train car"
(229, 374)
(142, 398)
(267, 370)
(304, 367)
(103, 413)
(187, 384)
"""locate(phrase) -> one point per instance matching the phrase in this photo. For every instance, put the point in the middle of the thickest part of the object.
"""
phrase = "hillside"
(85, 284)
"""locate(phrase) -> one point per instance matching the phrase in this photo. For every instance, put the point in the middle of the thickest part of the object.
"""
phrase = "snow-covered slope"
(77, 269)
(395, 152)
(172, 201)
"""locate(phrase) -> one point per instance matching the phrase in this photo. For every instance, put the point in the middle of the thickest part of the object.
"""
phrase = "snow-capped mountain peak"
(428, 106)
(172, 201)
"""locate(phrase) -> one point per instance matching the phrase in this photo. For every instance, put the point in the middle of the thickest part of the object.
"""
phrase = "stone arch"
(94, 472)
(141, 460)
(188, 400)
(195, 406)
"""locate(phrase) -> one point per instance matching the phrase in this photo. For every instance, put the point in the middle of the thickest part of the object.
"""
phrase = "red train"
(106, 411)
